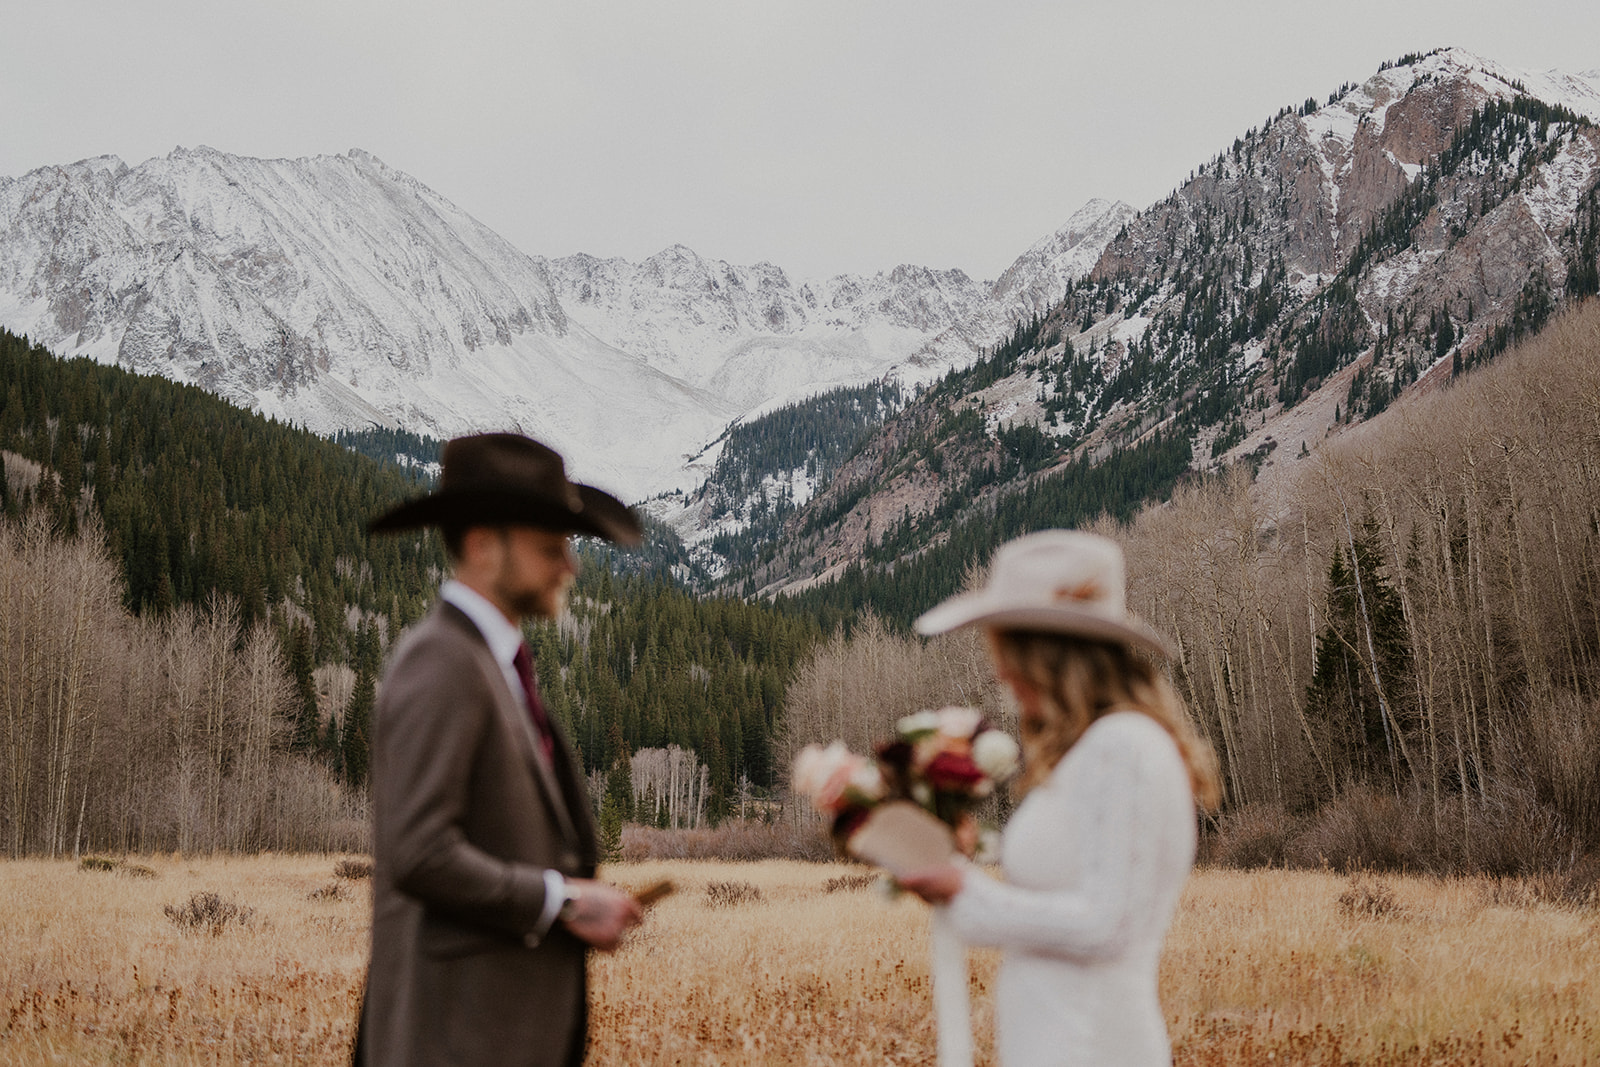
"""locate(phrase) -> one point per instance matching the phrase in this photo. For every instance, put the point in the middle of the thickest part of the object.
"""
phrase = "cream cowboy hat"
(1056, 581)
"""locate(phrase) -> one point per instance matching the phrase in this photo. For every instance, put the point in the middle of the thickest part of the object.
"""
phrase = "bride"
(1097, 853)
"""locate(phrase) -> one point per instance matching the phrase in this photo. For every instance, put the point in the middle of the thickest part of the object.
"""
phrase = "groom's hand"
(601, 914)
(935, 884)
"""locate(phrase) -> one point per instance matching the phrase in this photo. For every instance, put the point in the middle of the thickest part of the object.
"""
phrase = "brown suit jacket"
(466, 818)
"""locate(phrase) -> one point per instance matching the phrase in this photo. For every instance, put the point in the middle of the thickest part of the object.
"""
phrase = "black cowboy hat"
(506, 479)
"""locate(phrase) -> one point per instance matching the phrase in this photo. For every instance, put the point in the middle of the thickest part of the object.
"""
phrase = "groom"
(484, 903)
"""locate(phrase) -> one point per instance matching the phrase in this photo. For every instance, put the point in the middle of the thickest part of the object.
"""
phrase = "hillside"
(196, 620)
(1336, 258)
(199, 498)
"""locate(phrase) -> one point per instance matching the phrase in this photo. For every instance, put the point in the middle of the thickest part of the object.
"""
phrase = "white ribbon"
(952, 1011)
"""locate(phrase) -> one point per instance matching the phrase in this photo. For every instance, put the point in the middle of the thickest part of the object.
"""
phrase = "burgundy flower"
(953, 772)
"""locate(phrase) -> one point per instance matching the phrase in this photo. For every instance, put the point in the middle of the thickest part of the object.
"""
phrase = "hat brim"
(599, 514)
(978, 609)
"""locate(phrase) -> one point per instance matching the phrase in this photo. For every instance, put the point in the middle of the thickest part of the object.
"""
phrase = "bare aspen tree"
(136, 733)
(856, 689)
(60, 601)
(266, 695)
(671, 782)
(140, 766)
(184, 659)
(93, 593)
(218, 632)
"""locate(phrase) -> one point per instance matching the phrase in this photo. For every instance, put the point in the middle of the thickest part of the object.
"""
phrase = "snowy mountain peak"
(336, 291)
(1037, 279)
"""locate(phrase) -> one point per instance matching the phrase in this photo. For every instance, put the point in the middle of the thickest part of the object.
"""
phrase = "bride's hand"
(935, 884)
(967, 835)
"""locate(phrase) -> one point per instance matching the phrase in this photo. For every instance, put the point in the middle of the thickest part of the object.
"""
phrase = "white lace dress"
(1094, 859)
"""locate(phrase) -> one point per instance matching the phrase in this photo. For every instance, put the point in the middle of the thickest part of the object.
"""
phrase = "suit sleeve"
(433, 718)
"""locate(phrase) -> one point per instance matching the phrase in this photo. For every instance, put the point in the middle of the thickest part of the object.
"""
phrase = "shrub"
(1578, 886)
(207, 912)
(1363, 830)
(731, 894)
(1508, 832)
(735, 840)
(849, 883)
(1515, 833)
(1551, 749)
(1257, 835)
(1367, 897)
(104, 863)
(333, 891)
(353, 870)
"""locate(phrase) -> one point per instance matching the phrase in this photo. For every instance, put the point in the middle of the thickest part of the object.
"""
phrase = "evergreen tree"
(308, 719)
(355, 734)
(1360, 703)
(619, 787)
(610, 829)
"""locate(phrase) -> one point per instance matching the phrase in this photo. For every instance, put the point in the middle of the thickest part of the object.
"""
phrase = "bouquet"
(943, 762)
(899, 810)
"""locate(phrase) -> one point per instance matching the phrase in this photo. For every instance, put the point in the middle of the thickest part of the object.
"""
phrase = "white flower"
(866, 781)
(996, 754)
(959, 722)
(815, 767)
(922, 722)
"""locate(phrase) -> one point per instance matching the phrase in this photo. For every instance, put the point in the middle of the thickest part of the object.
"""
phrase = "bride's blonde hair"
(1078, 681)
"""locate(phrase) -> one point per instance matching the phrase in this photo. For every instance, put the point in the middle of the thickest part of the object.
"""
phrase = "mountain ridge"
(337, 292)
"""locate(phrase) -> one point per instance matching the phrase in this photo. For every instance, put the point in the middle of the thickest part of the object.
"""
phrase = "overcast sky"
(824, 136)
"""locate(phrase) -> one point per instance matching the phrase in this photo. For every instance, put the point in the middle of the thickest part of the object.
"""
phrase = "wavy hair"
(1078, 681)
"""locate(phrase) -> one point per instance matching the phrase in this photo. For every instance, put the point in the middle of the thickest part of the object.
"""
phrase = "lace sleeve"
(1127, 796)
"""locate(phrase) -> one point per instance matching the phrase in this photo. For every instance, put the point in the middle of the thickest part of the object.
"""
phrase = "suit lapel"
(565, 808)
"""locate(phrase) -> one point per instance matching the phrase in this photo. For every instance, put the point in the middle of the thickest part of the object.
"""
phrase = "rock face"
(1310, 186)
(312, 289)
(337, 293)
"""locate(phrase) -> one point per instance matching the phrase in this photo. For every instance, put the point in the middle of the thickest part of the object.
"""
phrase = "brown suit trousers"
(466, 818)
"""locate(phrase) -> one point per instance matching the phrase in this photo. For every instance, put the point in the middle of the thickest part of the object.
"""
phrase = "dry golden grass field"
(763, 963)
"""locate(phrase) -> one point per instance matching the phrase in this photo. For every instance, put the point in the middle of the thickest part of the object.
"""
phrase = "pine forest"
(195, 621)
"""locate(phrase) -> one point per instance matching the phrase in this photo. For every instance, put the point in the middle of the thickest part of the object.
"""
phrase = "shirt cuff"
(555, 894)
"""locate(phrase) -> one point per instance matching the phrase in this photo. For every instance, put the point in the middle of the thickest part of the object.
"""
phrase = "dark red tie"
(523, 662)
